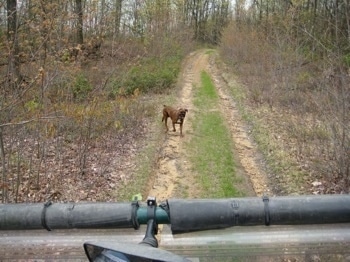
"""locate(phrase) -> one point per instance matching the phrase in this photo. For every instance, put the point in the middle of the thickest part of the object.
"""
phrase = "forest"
(75, 74)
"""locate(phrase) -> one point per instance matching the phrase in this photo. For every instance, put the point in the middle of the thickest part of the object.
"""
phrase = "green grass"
(212, 155)
(210, 51)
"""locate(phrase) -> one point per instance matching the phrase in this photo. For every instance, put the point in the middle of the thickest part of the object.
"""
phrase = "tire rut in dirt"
(248, 156)
(173, 176)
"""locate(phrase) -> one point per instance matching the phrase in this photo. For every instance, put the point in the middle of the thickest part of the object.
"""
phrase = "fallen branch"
(31, 120)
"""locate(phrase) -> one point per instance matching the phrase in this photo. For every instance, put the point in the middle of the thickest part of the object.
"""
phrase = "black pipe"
(204, 214)
(183, 215)
(70, 215)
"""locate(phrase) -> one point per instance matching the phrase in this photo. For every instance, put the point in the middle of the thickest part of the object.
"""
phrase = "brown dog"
(177, 117)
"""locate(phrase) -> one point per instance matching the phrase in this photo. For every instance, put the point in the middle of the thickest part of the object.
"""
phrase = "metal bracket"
(267, 210)
(43, 215)
(135, 205)
(152, 226)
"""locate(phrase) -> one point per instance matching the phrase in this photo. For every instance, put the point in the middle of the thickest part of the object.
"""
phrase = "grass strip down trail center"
(212, 155)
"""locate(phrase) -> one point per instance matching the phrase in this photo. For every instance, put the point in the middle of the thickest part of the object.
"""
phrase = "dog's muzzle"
(181, 117)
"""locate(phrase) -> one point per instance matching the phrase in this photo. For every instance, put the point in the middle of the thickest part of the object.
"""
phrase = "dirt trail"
(173, 176)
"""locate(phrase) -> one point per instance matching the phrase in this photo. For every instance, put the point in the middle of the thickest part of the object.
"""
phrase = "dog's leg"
(181, 130)
(166, 123)
(174, 125)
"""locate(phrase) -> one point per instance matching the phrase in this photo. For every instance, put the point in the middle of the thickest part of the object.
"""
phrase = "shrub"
(346, 59)
(150, 75)
(81, 88)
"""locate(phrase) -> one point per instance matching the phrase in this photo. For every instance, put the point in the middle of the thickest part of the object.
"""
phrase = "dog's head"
(181, 114)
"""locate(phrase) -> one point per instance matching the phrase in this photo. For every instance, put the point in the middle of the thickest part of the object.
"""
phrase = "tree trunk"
(3, 165)
(118, 15)
(12, 38)
(79, 13)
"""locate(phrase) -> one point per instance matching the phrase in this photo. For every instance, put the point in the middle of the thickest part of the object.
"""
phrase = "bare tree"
(13, 70)
(3, 165)
(207, 18)
(80, 23)
(118, 16)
